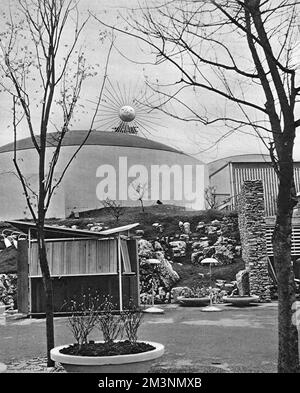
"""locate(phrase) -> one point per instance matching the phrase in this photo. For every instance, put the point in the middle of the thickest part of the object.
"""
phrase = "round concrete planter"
(3, 368)
(193, 301)
(241, 301)
(133, 363)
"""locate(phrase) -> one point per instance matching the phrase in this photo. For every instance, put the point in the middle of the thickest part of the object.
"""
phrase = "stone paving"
(235, 340)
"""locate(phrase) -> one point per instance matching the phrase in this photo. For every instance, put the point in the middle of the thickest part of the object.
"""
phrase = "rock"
(145, 248)
(187, 228)
(223, 255)
(200, 245)
(97, 228)
(195, 256)
(211, 229)
(168, 275)
(157, 246)
(178, 248)
(200, 227)
(184, 237)
(243, 284)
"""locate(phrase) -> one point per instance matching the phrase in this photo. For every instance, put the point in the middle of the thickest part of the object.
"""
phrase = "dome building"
(114, 165)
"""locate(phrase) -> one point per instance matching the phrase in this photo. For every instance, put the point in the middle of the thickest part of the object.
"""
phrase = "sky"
(129, 76)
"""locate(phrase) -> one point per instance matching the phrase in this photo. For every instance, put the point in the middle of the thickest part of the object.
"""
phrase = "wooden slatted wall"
(295, 240)
(78, 257)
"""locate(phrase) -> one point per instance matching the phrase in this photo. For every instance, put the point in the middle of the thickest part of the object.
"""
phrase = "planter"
(3, 368)
(133, 363)
(193, 301)
(241, 301)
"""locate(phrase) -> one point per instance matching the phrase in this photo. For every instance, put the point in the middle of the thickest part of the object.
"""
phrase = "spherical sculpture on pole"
(127, 113)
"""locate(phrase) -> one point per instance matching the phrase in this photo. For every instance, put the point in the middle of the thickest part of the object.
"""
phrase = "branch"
(51, 191)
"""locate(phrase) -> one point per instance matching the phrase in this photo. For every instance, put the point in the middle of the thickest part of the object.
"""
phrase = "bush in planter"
(84, 316)
(203, 292)
(89, 313)
(132, 320)
(108, 323)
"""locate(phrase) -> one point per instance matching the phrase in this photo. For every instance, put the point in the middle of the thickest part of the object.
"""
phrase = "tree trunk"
(48, 294)
(142, 204)
(288, 352)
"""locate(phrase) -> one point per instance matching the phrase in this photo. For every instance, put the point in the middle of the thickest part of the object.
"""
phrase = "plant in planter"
(196, 297)
(112, 354)
(201, 296)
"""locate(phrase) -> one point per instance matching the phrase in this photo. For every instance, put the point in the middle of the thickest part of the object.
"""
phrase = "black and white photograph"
(149, 192)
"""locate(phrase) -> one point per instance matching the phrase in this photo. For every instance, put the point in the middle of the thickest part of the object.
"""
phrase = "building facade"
(117, 166)
(228, 174)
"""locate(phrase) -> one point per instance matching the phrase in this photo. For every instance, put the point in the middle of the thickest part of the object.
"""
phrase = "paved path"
(233, 340)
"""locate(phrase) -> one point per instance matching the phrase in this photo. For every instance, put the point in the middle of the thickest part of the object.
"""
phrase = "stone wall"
(253, 237)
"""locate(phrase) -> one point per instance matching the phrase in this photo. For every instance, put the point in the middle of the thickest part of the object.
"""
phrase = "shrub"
(84, 316)
(108, 323)
(132, 320)
(88, 312)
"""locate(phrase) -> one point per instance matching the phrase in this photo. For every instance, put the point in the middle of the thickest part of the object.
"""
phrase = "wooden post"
(23, 277)
(120, 274)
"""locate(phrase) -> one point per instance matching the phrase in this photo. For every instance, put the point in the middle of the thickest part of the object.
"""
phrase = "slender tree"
(210, 197)
(44, 70)
(245, 53)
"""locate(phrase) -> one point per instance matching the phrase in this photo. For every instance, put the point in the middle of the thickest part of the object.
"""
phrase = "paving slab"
(233, 340)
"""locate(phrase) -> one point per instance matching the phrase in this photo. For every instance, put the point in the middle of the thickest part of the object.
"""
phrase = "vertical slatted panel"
(34, 266)
(92, 256)
(295, 240)
(125, 257)
(114, 255)
(77, 257)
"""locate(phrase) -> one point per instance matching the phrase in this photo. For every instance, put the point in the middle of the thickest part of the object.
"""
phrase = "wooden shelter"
(80, 261)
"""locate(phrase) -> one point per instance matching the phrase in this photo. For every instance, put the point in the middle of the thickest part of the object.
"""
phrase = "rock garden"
(171, 251)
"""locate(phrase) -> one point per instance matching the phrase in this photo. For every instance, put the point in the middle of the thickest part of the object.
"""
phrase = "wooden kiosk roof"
(54, 232)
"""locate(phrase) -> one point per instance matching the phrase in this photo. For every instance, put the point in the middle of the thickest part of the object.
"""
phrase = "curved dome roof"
(102, 138)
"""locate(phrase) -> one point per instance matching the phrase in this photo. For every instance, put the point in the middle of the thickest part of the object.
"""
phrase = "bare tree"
(41, 80)
(245, 54)
(114, 208)
(210, 197)
(140, 189)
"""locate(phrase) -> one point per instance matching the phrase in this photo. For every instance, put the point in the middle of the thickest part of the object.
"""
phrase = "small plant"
(132, 320)
(109, 323)
(89, 313)
(83, 318)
